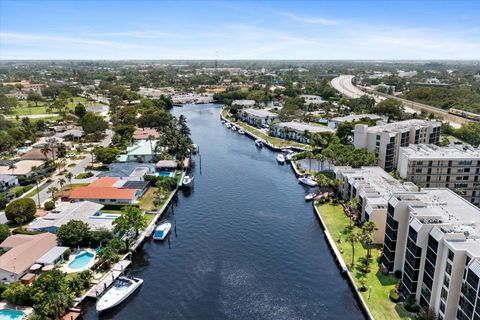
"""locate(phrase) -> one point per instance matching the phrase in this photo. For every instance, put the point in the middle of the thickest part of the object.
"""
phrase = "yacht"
(121, 289)
(162, 231)
(259, 143)
(187, 181)
(310, 196)
(281, 158)
(241, 131)
(307, 180)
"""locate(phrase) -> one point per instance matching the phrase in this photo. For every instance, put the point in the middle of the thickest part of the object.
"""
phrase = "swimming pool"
(165, 174)
(81, 261)
(10, 314)
(22, 149)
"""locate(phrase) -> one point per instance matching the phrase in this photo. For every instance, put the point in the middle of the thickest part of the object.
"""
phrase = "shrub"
(21, 210)
(411, 305)
(394, 295)
(398, 274)
(17, 293)
(49, 205)
(84, 175)
(4, 232)
(74, 233)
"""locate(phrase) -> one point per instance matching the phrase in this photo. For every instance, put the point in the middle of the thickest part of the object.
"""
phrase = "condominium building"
(454, 167)
(372, 186)
(386, 139)
(433, 237)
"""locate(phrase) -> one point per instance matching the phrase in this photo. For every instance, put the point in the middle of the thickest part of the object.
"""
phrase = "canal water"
(246, 245)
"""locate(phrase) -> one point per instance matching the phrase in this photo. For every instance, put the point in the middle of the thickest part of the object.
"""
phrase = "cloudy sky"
(239, 29)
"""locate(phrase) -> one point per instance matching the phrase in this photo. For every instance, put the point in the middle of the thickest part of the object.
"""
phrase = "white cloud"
(312, 20)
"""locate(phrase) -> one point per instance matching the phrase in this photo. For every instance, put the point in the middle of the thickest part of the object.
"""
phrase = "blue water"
(165, 174)
(81, 261)
(10, 314)
(22, 149)
(244, 244)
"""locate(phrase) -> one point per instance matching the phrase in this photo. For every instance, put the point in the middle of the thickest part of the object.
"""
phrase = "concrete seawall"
(342, 266)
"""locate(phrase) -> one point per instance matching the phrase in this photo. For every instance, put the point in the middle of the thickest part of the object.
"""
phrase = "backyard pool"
(10, 314)
(165, 174)
(81, 261)
(21, 150)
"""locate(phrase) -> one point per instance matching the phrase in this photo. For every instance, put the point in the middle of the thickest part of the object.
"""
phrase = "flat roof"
(402, 125)
(433, 152)
(262, 113)
(356, 117)
(300, 126)
(22, 167)
(52, 255)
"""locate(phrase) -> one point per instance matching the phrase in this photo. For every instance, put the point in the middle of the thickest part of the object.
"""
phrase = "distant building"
(455, 167)
(297, 130)
(142, 151)
(334, 122)
(258, 117)
(372, 187)
(312, 99)
(129, 171)
(145, 133)
(23, 168)
(386, 139)
(7, 182)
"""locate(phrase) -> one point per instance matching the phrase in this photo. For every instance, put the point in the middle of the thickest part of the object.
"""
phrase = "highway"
(344, 85)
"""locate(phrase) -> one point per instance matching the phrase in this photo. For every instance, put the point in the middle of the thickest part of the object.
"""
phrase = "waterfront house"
(258, 117)
(85, 211)
(22, 251)
(7, 182)
(145, 133)
(23, 168)
(334, 122)
(129, 170)
(312, 100)
(243, 103)
(109, 190)
(297, 131)
(142, 151)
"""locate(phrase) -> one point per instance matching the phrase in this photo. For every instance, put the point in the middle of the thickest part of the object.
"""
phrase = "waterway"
(246, 244)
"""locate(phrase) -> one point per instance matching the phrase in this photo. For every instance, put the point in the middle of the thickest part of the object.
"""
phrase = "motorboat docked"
(310, 196)
(187, 181)
(228, 125)
(259, 143)
(241, 131)
(307, 180)
(121, 289)
(234, 128)
(289, 156)
(194, 148)
(280, 158)
(162, 231)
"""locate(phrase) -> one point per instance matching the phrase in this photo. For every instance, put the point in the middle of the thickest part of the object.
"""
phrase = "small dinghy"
(194, 148)
(241, 131)
(228, 125)
(234, 128)
(121, 289)
(162, 231)
(259, 143)
(310, 196)
(280, 158)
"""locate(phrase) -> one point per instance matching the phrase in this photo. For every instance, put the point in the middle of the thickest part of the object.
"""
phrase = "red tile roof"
(102, 189)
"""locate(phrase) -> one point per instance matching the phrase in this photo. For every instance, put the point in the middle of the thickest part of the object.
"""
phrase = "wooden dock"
(108, 279)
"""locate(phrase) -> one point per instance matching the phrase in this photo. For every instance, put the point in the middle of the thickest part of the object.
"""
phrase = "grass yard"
(377, 300)
(146, 201)
(34, 191)
(24, 110)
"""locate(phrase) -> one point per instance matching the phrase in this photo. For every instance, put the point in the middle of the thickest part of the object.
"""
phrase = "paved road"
(79, 168)
(344, 85)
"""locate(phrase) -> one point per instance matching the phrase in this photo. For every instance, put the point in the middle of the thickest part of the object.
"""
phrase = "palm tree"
(12, 167)
(52, 191)
(61, 182)
(352, 238)
(352, 205)
(45, 150)
(69, 176)
(368, 228)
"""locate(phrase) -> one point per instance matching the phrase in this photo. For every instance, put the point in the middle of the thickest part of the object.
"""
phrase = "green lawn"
(23, 109)
(377, 300)
(146, 201)
(34, 191)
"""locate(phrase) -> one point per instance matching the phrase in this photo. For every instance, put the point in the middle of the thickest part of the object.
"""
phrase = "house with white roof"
(298, 131)
(258, 117)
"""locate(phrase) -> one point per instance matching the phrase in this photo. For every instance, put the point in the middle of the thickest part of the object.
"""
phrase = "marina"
(224, 254)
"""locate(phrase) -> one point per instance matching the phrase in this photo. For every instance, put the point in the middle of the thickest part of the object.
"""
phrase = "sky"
(313, 30)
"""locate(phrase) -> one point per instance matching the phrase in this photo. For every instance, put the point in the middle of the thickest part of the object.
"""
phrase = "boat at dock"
(234, 128)
(121, 289)
(310, 196)
(162, 231)
(307, 180)
(289, 156)
(280, 158)
(194, 148)
(228, 125)
(241, 131)
(187, 181)
(259, 143)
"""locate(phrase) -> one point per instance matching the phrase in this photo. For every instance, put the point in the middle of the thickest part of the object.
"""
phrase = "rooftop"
(262, 113)
(356, 117)
(433, 152)
(301, 127)
(402, 125)
(23, 167)
(145, 133)
(103, 188)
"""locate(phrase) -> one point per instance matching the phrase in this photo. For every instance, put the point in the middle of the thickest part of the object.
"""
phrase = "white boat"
(162, 231)
(194, 148)
(259, 143)
(310, 196)
(234, 128)
(121, 289)
(241, 131)
(280, 158)
(308, 181)
(289, 156)
(187, 181)
(228, 125)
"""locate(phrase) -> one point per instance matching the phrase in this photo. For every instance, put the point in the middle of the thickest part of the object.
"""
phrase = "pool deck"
(26, 310)
(65, 268)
